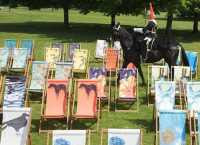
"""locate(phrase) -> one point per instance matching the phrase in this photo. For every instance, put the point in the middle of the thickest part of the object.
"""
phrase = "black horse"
(137, 44)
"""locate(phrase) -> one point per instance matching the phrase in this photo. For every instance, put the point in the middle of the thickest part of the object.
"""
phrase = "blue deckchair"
(29, 44)
(193, 61)
(171, 128)
(10, 43)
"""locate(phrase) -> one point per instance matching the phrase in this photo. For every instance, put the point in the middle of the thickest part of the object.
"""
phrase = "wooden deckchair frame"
(88, 137)
(3, 90)
(150, 94)
(73, 116)
(124, 100)
(32, 49)
(52, 69)
(27, 64)
(86, 63)
(108, 98)
(43, 107)
(156, 141)
(180, 95)
(29, 78)
(104, 131)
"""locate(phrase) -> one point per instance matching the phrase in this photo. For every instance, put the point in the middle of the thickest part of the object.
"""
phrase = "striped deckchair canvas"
(16, 126)
(14, 93)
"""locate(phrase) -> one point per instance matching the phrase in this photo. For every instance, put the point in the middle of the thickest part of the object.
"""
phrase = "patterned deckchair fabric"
(158, 73)
(39, 74)
(100, 75)
(15, 126)
(10, 43)
(193, 60)
(128, 84)
(172, 127)
(111, 59)
(20, 58)
(14, 93)
(80, 60)
(52, 56)
(100, 47)
(117, 45)
(4, 59)
(63, 70)
(164, 95)
(124, 137)
(193, 97)
(59, 45)
(71, 48)
(69, 137)
(29, 44)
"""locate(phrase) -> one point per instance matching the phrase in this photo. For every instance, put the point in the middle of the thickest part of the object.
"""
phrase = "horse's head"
(116, 32)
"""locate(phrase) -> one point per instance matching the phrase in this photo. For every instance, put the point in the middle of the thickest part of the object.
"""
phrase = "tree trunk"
(112, 20)
(66, 15)
(169, 23)
(195, 24)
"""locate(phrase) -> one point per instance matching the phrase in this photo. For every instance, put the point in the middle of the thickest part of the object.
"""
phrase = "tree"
(191, 9)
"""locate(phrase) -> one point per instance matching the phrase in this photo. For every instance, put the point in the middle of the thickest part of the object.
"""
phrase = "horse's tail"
(184, 56)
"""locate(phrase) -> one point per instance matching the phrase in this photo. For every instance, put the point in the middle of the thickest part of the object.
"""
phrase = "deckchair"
(71, 48)
(122, 136)
(193, 61)
(196, 139)
(69, 137)
(171, 128)
(63, 70)
(80, 61)
(155, 73)
(192, 100)
(117, 45)
(14, 92)
(37, 80)
(52, 55)
(164, 97)
(182, 74)
(61, 46)
(10, 43)
(100, 75)
(101, 45)
(55, 104)
(5, 54)
(16, 126)
(127, 92)
(88, 107)
(29, 44)
(20, 61)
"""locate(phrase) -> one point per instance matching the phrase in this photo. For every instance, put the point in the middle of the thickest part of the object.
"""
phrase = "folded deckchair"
(122, 136)
(80, 60)
(192, 101)
(127, 92)
(20, 61)
(55, 104)
(10, 43)
(71, 48)
(193, 61)
(29, 44)
(69, 137)
(63, 70)
(88, 106)
(61, 46)
(52, 55)
(16, 126)
(182, 74)
(14, 91)
(155, 73)
(164, 98)
(37, 80)
(101, 45)
(171, 128)
(100, 75)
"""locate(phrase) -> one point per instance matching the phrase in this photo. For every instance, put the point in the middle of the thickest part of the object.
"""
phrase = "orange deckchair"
(87, 104)
(54, 101)
(111, 59)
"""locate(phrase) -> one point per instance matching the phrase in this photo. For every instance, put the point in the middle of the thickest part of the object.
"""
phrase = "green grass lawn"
(46, 25)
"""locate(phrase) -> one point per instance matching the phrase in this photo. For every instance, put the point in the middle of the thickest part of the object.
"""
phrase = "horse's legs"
(141, 73)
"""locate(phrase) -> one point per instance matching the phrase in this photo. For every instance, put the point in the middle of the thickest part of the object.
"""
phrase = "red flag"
(151, 12)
